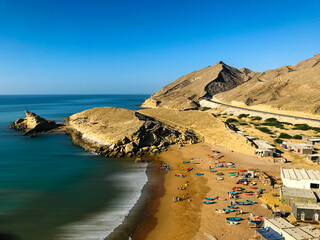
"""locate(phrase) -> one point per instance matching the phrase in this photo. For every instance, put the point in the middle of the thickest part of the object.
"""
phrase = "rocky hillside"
(185, 92)
(292, 88)
(33, 124)
(116, 132)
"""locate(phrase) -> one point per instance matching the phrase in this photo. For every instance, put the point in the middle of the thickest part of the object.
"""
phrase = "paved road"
(258, 111)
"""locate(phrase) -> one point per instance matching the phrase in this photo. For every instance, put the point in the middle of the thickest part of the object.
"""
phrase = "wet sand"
(191, 219)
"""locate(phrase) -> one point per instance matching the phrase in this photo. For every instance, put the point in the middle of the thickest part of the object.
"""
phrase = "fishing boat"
(241, 188)
(248, 194)
(190, 169)
(234, 219)
(243, 203)
(223, 199)
(213, 170)
(250, 201)
(186, 162)
(242, 170)
(234, 207)
(209, 198)
(220, 211)
(208, 202)
(233, 193)
(232, 174)
(219, 178)
(179, 175)
(228, 210)
(232, 222)
(219, 173)
(199, 174)
(253, 187)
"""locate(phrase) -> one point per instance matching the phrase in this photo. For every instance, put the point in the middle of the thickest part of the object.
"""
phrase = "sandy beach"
(191, 218)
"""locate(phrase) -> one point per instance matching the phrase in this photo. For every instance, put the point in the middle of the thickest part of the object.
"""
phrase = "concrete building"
(314, 157)
(312, 140)
(290, 232)
(264, 148)
(301, 148)
(300, 178)
(290, 195)
(306, 211)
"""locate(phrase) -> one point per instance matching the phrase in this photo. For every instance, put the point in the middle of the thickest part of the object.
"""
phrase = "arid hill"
(185, 92)
(292, 88)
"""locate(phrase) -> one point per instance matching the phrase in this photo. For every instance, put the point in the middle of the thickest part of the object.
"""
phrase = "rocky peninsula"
(111, 132)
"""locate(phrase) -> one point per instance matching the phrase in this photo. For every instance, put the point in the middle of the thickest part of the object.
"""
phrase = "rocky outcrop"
(185, 92)
(115, 132)
(33, 124)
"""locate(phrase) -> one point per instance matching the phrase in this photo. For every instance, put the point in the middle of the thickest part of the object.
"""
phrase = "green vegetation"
(256, 124)
(243, 123)
(286, 123)
(305, 127)
(265, 130)
(205, 108)
(256, 118)
(297, 137)
(285, 135)
(230, 120)
(278, 140)
(243, 116)
(273, 122)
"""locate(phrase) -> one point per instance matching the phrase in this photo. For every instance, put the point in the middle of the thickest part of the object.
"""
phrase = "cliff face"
(293, 88)
(33, 124)
(115, 132)
(185, 92)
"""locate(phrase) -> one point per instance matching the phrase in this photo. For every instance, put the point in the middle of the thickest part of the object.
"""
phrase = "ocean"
(51, 189)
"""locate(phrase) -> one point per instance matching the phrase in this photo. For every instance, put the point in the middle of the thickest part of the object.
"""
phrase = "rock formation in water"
(116, 132)
(33, 124)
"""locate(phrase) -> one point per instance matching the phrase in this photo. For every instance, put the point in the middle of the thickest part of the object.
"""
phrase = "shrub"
(271, 120)
(230, 120)
(303, 127)
(265, 130)
(278, 140)
(243, 123)
(286, 123)
(243, 116)
(284, 135)
(256, 118)
(317, 129)
(205, 108)
(297, 137)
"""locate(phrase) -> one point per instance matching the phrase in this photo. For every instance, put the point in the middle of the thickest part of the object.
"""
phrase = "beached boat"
(242, 170)
(233, 193)
(235, 207)
(220, 211)
(243, 203)
(223, 199)
(186, 162)
(232, 222)
(232, 174)
(219, 178)
(234, 219)
(240, 188)
(248, 194)
(190, 169)
(250, 201)
(179, 175)
(228, 210)
(253, 187)
(199, 174)
(208, 202)
(213, 170)
(209, 198)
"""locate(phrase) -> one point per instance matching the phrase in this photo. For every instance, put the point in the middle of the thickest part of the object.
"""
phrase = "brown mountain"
(294, 88)
(185, 92)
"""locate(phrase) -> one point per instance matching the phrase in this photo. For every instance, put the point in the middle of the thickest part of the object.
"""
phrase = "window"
(314, 185)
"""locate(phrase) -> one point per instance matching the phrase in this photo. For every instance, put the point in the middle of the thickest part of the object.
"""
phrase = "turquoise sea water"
(51, 189)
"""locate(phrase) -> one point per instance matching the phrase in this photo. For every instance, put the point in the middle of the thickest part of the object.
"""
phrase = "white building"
(300, 178)
(264, 148)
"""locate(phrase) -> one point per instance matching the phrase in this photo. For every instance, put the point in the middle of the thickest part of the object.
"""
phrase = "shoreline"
(139, 214)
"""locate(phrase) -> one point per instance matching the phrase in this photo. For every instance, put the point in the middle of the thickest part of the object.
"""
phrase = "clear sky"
(138, 46)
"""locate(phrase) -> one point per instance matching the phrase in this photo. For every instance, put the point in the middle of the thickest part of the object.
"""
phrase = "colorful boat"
(243, 203)
(220, 211)
(234, 219)
(199, 174)
(241, 188)
(213, 170)
(242, 170)
(228, 210)
(209, 198)
(235, 207)
(182, 188)
(253, 187)
(248, 194)
(219, 178)
(250, 201)
(232, 222)
(223, 199)
(219, 173)
(190, 169)
(232, 174)
(208, 202)
(233, 193)
(186, 162)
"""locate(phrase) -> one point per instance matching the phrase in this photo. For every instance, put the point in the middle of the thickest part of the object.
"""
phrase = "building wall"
(309, 213)
(288, 200)
(302, 184)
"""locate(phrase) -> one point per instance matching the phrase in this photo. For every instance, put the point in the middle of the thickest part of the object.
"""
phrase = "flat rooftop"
(307, 206)
(311, 230)
(313, 139)
(298, 145)
(297, 233)
(300, 174)
(279, 222)
(294, 192)
(263, 144)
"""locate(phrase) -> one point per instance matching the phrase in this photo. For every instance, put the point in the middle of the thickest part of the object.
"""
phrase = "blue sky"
(138, 46)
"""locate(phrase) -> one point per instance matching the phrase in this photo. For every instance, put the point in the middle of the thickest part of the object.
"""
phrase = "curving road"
(258, 111)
